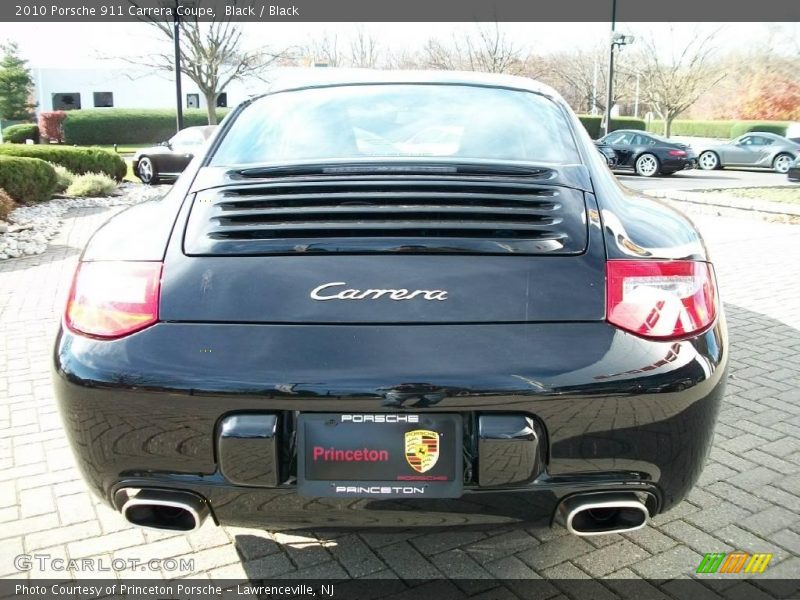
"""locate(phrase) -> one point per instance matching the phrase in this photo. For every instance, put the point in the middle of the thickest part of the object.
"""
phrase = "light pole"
(617, 40)
(178, 92)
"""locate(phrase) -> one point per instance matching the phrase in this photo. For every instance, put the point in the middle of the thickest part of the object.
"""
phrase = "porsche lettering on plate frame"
(421, 458)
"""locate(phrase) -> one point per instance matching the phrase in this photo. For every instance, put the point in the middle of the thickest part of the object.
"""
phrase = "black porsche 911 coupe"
(167, 161)
(648, 154)
(374, 302)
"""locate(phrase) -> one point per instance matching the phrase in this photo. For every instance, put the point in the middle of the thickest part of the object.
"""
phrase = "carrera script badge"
(422, 449)
(333, 291)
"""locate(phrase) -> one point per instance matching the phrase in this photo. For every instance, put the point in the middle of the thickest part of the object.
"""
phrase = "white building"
(129, 87)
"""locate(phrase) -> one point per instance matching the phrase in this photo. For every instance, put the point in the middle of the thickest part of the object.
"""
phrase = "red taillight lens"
(112, 299)
(677, 152)
(661, 299)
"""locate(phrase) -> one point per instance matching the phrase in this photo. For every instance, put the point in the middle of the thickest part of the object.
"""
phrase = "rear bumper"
(616, 412)
(678, 164)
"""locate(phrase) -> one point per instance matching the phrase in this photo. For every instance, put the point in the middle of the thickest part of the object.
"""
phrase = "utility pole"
(178, 91)
(618, 40)
(610, 87)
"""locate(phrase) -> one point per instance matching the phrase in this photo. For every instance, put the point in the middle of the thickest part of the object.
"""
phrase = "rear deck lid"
(383, 248)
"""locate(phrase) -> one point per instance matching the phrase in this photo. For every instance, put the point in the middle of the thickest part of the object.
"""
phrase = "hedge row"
(17, 134)
(127, 126)
(594, 125)
(27, 179)
(718, 129)
(742, 127)
(77, 160)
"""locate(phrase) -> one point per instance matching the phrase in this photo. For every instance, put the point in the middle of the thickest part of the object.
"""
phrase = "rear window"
(390, 121)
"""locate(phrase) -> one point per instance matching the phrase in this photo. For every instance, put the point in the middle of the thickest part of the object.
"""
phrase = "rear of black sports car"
(398, 300)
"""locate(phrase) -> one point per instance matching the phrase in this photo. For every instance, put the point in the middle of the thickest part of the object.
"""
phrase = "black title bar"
(346, 11)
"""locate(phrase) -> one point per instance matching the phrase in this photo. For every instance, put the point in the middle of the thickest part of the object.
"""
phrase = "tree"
(212, 56)
(488, 50)
(325, 51)
(671, 81)
(771, 99)
(365, 50)
(16, 85)
(581, 75)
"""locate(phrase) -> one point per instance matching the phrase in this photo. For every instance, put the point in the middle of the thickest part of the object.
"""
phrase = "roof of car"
(298, 78)
(765, 133)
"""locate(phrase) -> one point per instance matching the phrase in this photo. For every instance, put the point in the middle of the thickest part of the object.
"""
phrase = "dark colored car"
(649, 154)
(169, 159)
(794, 170)
(339, 316)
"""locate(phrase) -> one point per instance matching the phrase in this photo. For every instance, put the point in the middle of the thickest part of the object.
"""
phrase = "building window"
(67, 101)
(192, 100)
(222, 100)
(103, 99)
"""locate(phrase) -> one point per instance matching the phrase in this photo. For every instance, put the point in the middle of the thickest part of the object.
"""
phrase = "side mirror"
(166, 144)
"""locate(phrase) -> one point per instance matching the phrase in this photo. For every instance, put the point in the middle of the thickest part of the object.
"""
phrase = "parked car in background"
(794, 170)
(648, 154)
(168, 160)
(756, 149)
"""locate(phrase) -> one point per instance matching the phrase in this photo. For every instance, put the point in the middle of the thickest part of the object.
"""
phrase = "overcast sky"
(92, 45)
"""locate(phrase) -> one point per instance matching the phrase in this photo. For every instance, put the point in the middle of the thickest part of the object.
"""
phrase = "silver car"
(757, 149)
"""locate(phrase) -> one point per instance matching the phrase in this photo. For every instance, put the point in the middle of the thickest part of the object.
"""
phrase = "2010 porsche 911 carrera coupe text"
(420, 298)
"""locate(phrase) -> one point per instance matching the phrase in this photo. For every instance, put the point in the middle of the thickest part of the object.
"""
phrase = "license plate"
(379, 455)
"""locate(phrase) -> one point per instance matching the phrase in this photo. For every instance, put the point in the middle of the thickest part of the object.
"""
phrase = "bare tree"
(325, 51)
(581, 75)
(672, 81)
(212, 56)
(488, 49)
(365, 50)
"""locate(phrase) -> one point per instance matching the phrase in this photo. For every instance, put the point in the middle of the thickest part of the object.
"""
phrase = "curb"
(722, 204)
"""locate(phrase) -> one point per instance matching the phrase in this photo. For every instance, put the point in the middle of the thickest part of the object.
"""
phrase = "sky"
(97, 45)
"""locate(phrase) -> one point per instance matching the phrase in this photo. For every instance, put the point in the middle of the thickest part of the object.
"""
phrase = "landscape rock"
(31, 227)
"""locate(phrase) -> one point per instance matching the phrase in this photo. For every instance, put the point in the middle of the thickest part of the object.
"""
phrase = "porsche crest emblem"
(422, 449)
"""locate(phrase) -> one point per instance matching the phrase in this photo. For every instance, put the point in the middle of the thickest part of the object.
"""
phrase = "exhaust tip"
(164, 510)
(603, 514)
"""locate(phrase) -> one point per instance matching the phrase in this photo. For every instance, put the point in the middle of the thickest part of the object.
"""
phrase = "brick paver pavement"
(748, 497)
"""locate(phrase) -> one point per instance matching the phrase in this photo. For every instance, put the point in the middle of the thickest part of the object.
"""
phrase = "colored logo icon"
(734, 562)
(422, 449)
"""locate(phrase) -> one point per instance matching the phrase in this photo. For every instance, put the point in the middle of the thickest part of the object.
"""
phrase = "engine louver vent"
(385, 215)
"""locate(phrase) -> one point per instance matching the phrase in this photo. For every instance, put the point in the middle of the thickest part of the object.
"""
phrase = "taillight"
(677, 153)
(113, 299)
(661, 299)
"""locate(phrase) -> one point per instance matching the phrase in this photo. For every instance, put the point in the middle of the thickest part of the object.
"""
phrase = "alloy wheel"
(782, 163)
(647, 165)
(145, 170)
(708, 161)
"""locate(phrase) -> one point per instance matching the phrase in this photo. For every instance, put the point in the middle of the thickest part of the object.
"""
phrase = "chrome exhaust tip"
(173, 510)
(603, 513)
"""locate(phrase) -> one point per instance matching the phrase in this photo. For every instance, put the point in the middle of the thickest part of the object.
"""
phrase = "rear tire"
(146, 171)
(708, 161)
(647, 165)
(781, 163)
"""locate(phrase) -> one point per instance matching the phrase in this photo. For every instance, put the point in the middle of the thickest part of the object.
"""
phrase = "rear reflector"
(661, 299)
(113, 299)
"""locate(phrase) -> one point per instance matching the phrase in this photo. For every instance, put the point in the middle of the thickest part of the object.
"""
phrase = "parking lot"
(748, 497)
(696, 179)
